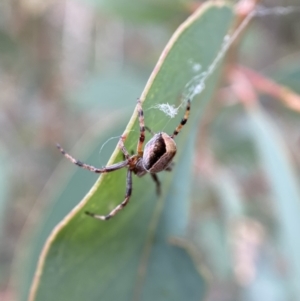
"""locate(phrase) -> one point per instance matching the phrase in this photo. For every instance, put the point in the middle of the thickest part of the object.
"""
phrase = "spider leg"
(122, 205)
(142, 129)
(123, 148)
(110, 168)
(183, 121)
(157, 182)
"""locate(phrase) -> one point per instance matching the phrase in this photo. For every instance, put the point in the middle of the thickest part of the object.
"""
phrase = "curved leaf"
(129, 257)
(284, 188)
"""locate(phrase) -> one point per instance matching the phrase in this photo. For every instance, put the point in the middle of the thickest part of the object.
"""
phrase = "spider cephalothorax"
(157, 156)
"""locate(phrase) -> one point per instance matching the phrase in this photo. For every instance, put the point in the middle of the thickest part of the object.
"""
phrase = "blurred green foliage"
(69, 69)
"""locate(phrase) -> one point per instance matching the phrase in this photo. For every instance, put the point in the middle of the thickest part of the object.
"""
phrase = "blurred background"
(71, 71)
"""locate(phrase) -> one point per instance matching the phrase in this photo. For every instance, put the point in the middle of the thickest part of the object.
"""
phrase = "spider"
(157, 156)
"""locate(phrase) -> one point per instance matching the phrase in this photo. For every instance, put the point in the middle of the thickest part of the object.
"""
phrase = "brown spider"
(156, 157)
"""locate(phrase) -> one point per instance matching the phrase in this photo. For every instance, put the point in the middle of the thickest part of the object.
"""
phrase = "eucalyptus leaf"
(284, 188)
(129, 257)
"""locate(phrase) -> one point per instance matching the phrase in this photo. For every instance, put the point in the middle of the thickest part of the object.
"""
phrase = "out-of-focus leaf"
(9, 51)
(4, 189)
(144, 10)
(284, 188)
(230, 209)
(267, 283)
(288, 73)
(230, 139)
(128, 257)
(107, 92)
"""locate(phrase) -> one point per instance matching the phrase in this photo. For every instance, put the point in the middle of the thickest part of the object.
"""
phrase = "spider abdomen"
(159, 152)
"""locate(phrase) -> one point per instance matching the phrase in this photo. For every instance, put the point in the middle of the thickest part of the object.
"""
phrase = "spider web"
(197, 84)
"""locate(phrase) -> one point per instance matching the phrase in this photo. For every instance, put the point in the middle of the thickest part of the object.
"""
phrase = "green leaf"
(129, 257)
(87, 96)
(70, 185)
(285, 193)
